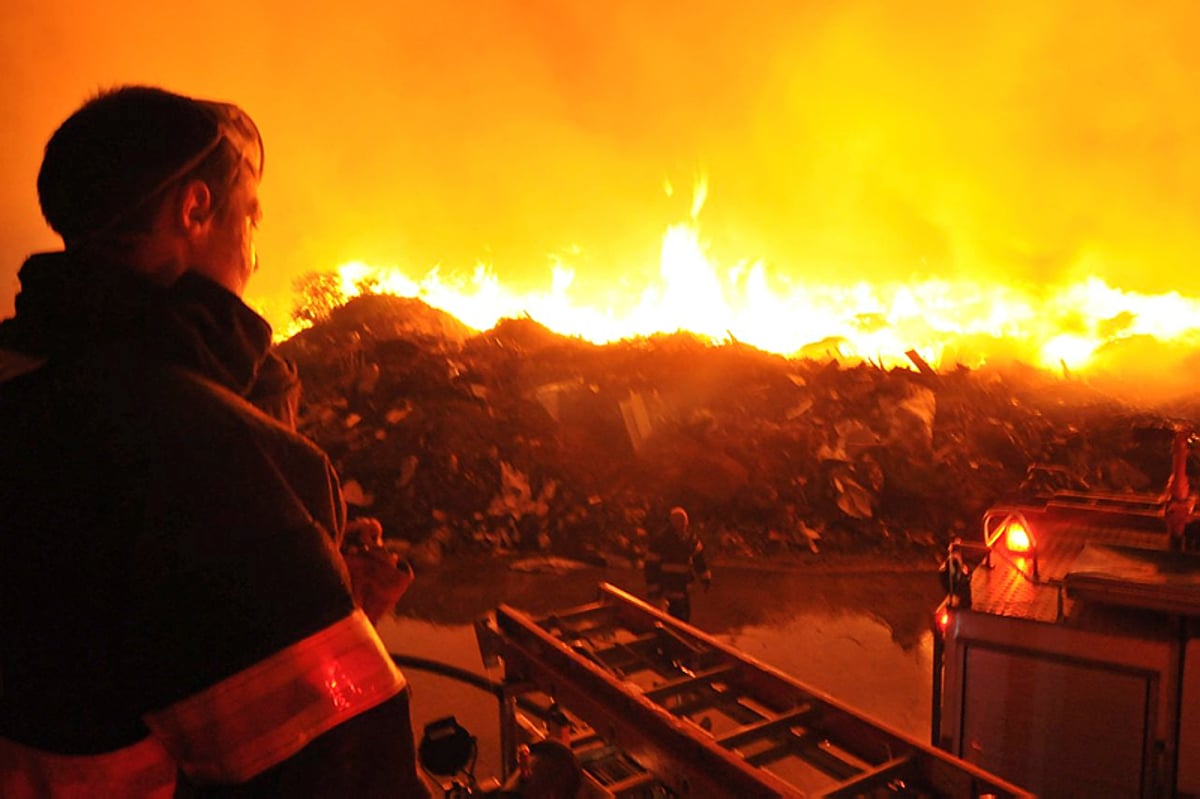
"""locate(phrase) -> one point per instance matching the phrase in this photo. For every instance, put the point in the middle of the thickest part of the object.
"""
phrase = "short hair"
(678, 514)
(107, 168)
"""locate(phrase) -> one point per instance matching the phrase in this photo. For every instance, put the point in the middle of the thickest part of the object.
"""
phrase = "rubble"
(519, 439)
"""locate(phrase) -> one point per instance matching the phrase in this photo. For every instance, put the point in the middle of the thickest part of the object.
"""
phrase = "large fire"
(1082, 327)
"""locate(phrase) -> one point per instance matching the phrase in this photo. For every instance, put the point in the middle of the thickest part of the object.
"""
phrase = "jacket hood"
(70, 306)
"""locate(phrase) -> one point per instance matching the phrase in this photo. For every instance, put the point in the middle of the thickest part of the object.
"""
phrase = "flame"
(946, 322)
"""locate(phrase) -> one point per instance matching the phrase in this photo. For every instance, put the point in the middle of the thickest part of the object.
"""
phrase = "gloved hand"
(378, 577)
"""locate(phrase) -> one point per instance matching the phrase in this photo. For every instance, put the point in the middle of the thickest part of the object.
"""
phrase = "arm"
(700, 564)
(258, 668)
(652, 569)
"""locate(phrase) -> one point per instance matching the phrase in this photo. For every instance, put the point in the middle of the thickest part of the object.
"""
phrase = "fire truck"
(1067, 651)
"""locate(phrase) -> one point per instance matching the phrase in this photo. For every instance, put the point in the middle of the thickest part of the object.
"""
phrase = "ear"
(195, 206)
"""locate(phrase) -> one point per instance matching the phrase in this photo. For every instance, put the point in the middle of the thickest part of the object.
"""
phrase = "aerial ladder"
(653, 707)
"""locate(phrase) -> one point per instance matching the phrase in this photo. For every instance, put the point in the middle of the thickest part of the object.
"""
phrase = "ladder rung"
(717, 700)
(629, 649)
(841, 764)
(870, 778)
(761, 729)
(660, 692)
(807, 747)
(630, 783)
(582, 739)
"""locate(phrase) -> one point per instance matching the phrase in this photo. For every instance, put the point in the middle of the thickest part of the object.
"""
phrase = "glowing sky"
(1032, 140)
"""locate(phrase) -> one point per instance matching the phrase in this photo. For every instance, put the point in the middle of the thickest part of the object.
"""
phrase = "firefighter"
(177, 619)
(674, 561)
(956, 576)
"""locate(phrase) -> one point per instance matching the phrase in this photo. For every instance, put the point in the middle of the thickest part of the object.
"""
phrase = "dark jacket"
(674, 562)
(158, 533)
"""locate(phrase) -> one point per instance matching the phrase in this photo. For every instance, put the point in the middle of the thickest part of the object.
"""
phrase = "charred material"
(519, 438)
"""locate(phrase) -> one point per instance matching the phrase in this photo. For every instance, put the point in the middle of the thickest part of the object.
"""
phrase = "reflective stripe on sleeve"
(263, 715)
(144, 770)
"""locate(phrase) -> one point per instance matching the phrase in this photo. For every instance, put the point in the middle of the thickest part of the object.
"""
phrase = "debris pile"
(522, 439)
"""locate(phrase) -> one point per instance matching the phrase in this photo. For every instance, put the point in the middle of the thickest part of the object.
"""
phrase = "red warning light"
(1017, 538)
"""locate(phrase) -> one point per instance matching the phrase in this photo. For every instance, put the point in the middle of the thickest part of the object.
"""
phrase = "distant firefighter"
(675, 561)
(956, 576)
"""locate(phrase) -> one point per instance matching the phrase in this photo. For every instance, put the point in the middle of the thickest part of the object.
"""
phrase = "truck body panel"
(1073, 668)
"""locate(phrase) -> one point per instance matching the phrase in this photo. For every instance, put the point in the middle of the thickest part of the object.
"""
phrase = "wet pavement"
(858, 630)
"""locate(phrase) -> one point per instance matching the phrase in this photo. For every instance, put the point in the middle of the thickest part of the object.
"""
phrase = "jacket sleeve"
(652, 567)
(700, 562)
(253, 647)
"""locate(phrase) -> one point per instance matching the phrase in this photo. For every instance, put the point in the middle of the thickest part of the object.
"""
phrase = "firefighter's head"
(158, 181)
(679, 520)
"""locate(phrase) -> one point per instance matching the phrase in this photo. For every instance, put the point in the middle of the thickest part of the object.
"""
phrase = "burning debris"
(521, 439)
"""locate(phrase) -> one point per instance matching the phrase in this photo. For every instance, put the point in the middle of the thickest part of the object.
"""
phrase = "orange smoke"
(932, 174)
